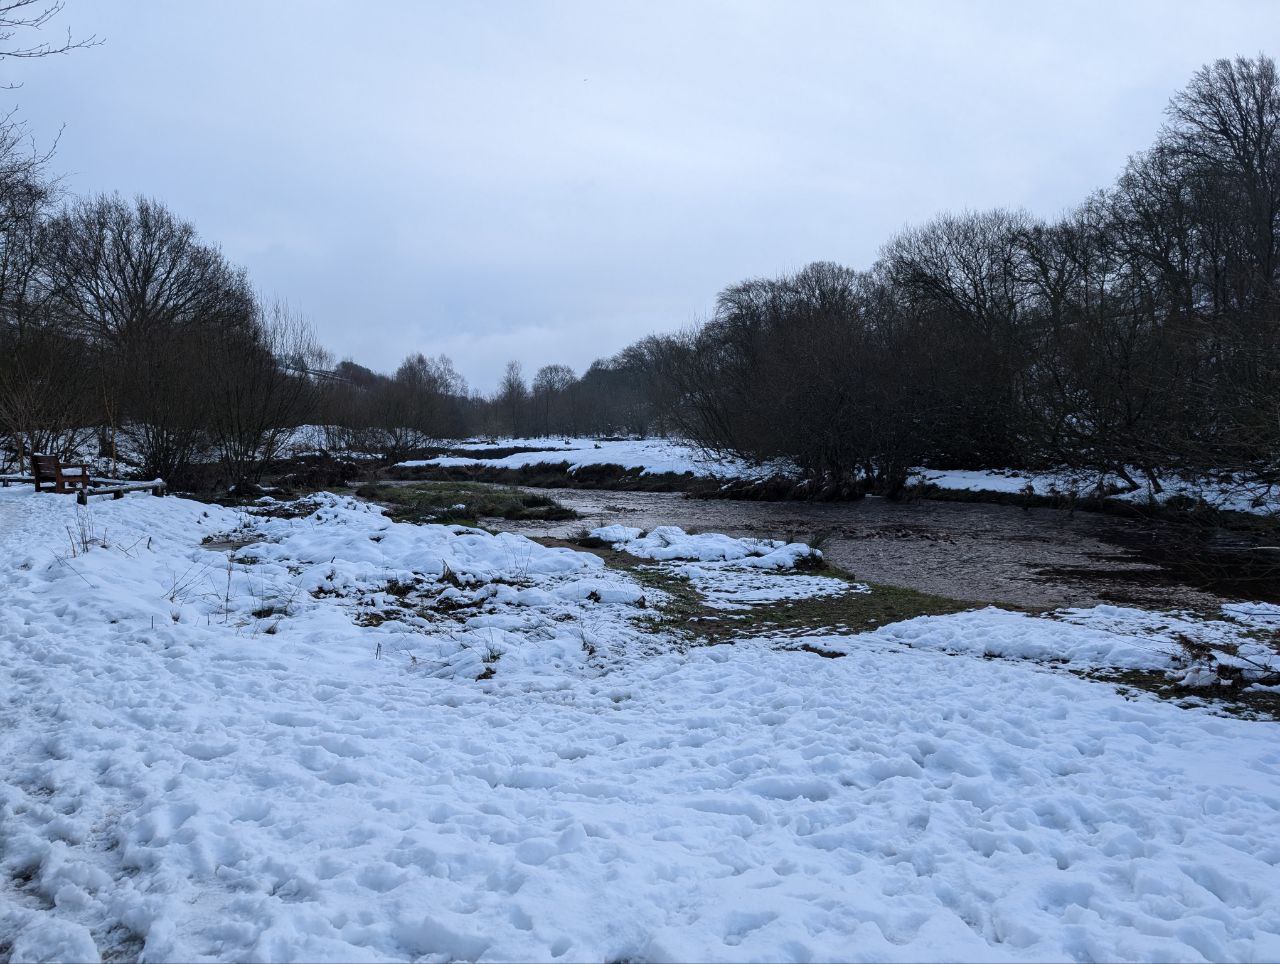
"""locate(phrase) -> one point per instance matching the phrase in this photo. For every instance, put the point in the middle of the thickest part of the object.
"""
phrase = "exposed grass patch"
(462, 502)
(249, 496)
(1250, 704)
(850, 612)
(283, 504)
(685, 611)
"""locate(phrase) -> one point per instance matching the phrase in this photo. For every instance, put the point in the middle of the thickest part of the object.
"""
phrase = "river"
(973, 551)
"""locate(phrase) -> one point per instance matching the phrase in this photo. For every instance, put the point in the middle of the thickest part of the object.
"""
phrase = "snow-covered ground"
(661, 455)
(1101, 637)
(668, 455)
(671, 542)
(1232, 493)
(323, 735)
(729, 573)
(651, 455)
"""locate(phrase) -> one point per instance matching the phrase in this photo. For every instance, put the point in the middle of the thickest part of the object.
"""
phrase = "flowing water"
(966, 550)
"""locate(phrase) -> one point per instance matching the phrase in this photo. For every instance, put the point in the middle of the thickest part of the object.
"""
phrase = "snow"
(978, 480)
(185, 779)
(1234, 493)
(1228, 491)
(730, 585)
(51, 939)
(651, 455)
(657, 455)
(616, 533)
(1101, 637)
(672, 542)
(1013, 635)
(729, 573)
(1236, 630)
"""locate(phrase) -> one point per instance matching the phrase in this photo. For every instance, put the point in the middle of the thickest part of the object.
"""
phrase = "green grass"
(438, 502)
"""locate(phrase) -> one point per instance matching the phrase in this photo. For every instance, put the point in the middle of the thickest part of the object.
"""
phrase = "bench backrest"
(44, 467)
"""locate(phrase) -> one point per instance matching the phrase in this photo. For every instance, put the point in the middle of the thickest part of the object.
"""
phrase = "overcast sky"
(551, 181)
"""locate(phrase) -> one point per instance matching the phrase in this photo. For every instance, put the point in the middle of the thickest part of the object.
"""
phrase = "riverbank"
(975, 551)
(662, 464)
(1186, 546)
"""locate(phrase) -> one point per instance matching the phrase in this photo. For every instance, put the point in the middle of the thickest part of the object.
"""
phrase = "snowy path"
(736, 804)
(191, 793)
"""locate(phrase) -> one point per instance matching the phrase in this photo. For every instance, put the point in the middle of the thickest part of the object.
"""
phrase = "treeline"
(425, 400)
(1138, 335)
(119, 327)
(124, 335)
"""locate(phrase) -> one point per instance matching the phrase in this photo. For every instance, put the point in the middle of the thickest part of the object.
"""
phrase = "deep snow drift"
(324, 735)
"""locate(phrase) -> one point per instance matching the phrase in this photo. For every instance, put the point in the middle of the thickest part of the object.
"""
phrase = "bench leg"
(82, 497)
(117, 495)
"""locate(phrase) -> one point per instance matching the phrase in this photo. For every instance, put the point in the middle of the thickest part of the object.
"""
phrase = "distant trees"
(809, 367)
(395, 416)
(146, 298)
(1155, 303)
(418, 404)
(1137, 335)
(553, 400)
(119, 321)
(257, 389)
(616, 395)
(43, 381)
(512, 400)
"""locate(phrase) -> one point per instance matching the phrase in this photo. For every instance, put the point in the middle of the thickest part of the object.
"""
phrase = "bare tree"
(138, 287)
(258, 387)
(550, 389)
(17, 17)
(513, 398)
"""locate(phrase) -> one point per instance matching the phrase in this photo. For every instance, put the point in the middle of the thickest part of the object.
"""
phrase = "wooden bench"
(47, 469)
(117, 489)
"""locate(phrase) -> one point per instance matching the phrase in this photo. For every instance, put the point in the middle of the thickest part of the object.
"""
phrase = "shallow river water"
(972, 551)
